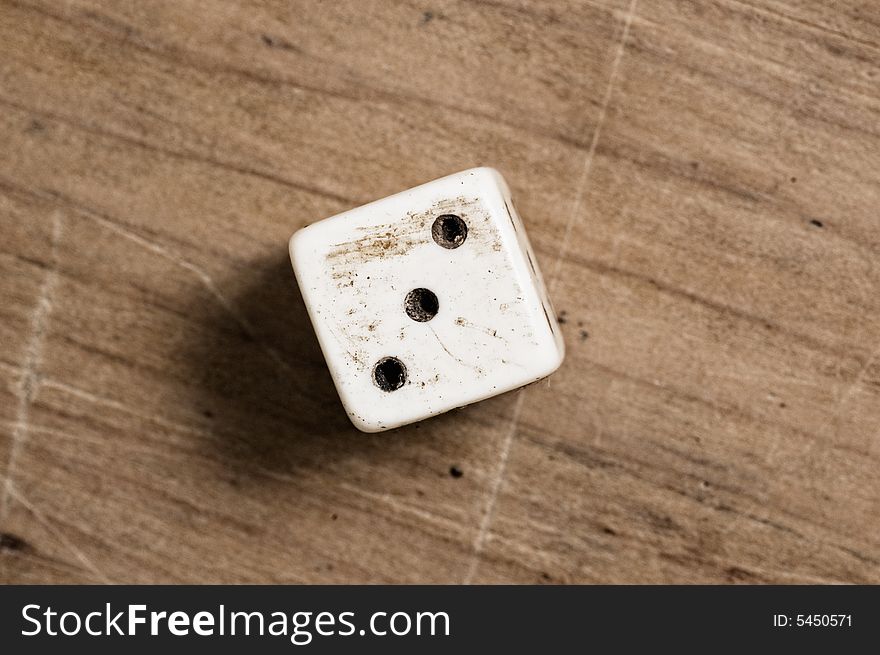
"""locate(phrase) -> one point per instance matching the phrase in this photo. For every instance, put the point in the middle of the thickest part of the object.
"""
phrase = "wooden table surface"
(701, 182)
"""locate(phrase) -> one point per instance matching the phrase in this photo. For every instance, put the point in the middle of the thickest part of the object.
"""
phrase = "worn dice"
(427, 300)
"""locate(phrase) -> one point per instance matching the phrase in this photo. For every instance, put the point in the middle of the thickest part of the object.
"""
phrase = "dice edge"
(534, 271)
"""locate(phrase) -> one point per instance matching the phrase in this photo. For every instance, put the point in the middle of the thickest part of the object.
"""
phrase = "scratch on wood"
(199, 273)
(43, 520)
(402, 507)
(834, 415)
(769, 11)
(30, 375)
(594, 142)
(489, 511)
(76, 392)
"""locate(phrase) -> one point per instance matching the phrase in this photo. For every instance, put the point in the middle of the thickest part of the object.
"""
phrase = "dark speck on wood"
(11, 542)
(278, 43)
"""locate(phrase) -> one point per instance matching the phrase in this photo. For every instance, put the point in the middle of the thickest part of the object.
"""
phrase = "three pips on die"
(421, 305)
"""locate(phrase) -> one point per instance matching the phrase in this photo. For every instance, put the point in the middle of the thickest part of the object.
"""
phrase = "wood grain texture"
(701, 181)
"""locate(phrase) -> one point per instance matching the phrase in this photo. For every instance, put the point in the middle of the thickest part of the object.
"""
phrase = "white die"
(427, 300)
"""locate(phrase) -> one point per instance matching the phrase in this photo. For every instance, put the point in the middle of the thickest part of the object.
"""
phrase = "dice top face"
(427, 300)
